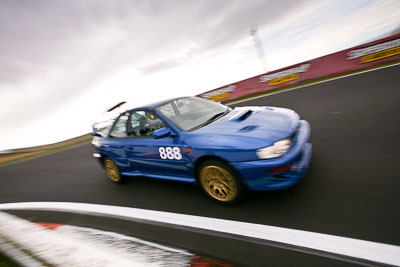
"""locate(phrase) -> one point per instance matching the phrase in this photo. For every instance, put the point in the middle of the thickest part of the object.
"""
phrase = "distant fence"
(373, 53)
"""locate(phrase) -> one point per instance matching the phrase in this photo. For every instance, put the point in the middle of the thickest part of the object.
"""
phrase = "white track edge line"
(372, 251)
(302, 86)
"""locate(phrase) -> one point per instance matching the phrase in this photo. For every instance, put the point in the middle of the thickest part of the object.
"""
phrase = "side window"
(143, 123)
(119, 129)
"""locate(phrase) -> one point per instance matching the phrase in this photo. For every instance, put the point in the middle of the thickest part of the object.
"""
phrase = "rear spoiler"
(116, 106)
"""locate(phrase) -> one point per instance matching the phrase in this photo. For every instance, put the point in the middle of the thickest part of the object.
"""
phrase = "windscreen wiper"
(216, 116)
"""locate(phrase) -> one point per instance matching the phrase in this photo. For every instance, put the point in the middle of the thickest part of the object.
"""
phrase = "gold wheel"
(112, 170)
(219, 183)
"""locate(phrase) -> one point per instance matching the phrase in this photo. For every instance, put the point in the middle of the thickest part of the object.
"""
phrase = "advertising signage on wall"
(373, 53)
(219, 94)
(284, 76)
(376, 52)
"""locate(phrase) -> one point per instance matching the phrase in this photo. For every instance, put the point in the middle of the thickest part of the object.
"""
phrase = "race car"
(190, 139)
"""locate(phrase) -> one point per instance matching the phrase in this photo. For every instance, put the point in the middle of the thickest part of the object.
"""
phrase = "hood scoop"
(248, 128)
(242, 116)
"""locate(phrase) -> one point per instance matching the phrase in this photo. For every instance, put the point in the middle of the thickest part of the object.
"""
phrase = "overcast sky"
(63, 62)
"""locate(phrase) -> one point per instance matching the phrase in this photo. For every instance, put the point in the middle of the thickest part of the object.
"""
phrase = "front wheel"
(112, 170)
(220, 182)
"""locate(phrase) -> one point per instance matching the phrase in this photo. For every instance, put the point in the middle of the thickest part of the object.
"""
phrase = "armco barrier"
(373, 53)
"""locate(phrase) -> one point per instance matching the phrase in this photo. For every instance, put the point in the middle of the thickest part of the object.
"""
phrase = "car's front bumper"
(282, 172)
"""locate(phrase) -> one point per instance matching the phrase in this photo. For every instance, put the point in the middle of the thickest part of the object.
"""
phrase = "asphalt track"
(352, 188)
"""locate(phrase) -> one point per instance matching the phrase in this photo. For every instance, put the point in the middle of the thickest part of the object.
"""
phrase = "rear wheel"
(220, 182)
(112, 170)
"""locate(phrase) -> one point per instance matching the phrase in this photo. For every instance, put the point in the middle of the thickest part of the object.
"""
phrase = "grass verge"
(15, 157)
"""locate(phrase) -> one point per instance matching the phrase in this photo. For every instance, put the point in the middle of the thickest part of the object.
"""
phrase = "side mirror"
(163, 132)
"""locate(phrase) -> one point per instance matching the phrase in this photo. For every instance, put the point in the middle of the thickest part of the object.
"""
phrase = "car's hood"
(266, 123)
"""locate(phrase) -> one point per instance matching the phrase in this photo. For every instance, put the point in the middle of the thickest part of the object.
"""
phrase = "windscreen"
(190, 113)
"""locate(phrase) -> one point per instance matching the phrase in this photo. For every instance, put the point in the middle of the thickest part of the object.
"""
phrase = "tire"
(112, 171)
(220, 182)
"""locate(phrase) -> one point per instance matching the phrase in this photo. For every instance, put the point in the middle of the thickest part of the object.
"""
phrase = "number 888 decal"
(170, 153)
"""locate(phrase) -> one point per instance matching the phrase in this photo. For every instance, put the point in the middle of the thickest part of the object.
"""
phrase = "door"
(160, 157)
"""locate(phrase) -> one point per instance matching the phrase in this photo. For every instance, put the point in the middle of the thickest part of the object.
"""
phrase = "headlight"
(278, 149)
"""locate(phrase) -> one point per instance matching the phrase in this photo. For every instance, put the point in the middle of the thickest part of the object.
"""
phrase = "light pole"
(259, 47)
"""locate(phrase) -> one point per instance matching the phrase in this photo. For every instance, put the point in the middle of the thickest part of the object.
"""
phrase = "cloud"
(59, 48)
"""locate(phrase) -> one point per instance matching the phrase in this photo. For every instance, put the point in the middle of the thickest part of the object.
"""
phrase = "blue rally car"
(225, 150)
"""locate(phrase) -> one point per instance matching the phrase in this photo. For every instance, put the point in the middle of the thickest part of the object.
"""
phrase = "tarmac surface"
(352, 188)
